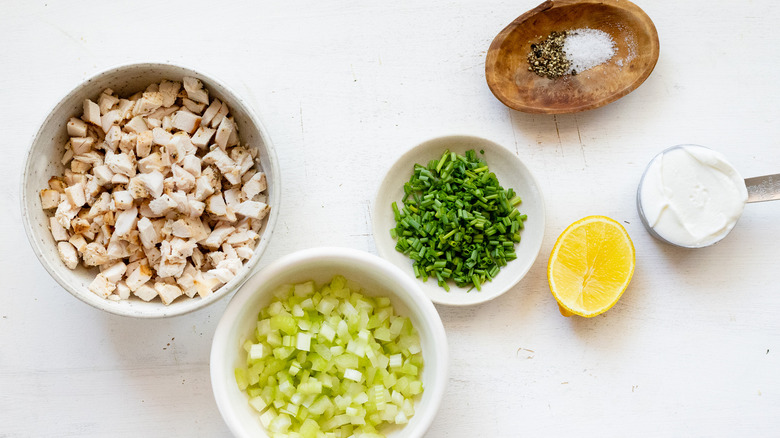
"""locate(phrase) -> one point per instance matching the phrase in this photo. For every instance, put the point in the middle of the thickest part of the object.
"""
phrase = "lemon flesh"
(590, 266)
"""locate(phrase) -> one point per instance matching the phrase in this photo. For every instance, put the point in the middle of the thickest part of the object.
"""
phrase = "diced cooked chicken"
(75, 194)
(215, 205)
(210, 112)
(95, 254)
(245, 252)
(206, 184)
(125, 221)
(91, 112)
(137, 125)
(65, 213)
(159, 216)
(49, 198)
(101, 286)
(68, 254)
(253, 209)
(255, 186)
(121, 163)
(125, 108)
(147, 233)
(217, 236)
(122, 290)
(223, 111)
(139, 276)
(161, 137)
(185, 121)
(226, 128)
(122, 199)
(191, 163)
(127, 143)
(206, 283)
(77, 127)
(81, 145)
(106, 101)
(151, 163)
(193, 106)
(103, 175)
(78, 241)
(167, 292)
(153, 182)
(168, 91)
(110, 119)
(195, 91)
(114, 272)
(162, 205)
(149, 102)
(145, 292)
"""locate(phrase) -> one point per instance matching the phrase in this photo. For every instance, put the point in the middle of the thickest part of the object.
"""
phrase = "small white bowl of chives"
(442, 263)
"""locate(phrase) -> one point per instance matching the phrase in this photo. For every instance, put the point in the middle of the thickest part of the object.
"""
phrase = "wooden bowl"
(637, 47)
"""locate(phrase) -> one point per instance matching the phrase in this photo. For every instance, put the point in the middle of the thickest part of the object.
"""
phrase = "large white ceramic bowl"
(510, 171)
(377, 277)
(43, 162)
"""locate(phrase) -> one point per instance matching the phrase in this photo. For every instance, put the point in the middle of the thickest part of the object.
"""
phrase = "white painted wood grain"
(692, 348)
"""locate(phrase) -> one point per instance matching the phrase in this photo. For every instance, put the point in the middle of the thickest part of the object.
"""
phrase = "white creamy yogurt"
(691, 196)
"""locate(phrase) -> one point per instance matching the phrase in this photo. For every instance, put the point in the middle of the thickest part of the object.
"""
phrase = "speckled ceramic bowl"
(43, 162)
(377, 277)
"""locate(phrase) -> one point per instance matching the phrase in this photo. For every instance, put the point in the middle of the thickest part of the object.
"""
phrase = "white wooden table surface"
(344, 88)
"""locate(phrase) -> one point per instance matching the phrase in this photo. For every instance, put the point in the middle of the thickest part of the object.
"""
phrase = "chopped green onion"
(455, 210)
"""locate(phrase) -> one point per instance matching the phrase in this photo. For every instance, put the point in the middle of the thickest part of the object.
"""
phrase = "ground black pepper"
(547, 58)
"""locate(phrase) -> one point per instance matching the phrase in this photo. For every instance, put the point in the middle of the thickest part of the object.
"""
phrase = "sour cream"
(691, 196)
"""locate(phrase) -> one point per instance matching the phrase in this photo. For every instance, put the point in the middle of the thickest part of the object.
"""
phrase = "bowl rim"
(166, 311)
(375, 215)
(429, 314)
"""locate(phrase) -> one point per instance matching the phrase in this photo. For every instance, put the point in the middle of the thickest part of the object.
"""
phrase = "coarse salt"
(586, 48)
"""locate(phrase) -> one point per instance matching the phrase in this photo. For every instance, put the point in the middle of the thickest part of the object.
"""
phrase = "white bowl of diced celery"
(329, 342)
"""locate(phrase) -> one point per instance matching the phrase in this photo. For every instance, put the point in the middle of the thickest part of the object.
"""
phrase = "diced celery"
(303, 342)
(241, 378)
(284, 322)
(329, 372)
(258, 404)
(303, 290)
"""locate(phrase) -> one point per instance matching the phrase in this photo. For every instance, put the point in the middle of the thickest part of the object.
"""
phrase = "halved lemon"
(590, 266)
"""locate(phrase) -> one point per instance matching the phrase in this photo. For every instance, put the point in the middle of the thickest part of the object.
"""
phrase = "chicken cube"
(110, 119)
(95, 254)
(145, 292)
(76, 127)
(168, 91)
(226, 127)
(255, 185)
(68, 254)
(167, 292)
(148, 103)
(195, 91)
(106, 101)
(49, 199)
(121, 163)
(114, 272)
(122, 199)
(253, 209)
(195, 107)
(57, 230)
(139, 276)
(78, 241)
(185, 121)
(101, 286)
(125, 221)
(122, 291)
